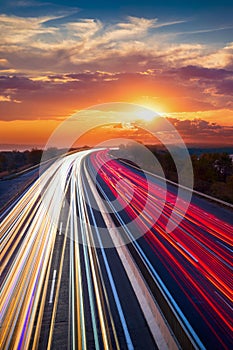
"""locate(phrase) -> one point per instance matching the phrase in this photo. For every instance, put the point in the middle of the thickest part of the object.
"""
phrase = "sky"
(58, 57)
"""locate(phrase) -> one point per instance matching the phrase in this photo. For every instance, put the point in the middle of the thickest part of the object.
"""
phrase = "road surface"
(70, 281)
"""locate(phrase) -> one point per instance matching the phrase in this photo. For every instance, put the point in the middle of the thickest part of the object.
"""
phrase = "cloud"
(195, 131)
(224, 115)
(133, 27)
(83, 29)
(195, 124)
(35, 44)
(3, 62)
(17, 83)
(202, 131)
(80, 90)
(208, 30)
(222, 57)
(8, 98)
(50, 60)
(225, 87)
(20, 30)
(26, 3)
(190, 72)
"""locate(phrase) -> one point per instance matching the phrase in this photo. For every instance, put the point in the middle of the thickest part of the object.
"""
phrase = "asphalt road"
(88, 262)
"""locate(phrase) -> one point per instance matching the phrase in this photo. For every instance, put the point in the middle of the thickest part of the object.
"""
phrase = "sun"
(149, 109)
(146, 112)
(147, 115)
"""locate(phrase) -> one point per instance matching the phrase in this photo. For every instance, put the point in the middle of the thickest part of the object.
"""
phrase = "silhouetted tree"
(34, 156)
(223, 166)
(3, 162)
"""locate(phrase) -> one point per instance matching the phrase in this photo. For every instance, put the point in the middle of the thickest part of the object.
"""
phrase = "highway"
(87, 262)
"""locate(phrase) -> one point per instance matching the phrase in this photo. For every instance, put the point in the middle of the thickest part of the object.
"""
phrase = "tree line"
(13, 161)
(212, 171)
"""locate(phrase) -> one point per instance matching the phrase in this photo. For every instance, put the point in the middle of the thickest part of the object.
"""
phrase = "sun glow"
(148, 115)
(152, 109)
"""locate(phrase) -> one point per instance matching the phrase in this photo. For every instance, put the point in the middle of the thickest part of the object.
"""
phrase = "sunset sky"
(58, 57)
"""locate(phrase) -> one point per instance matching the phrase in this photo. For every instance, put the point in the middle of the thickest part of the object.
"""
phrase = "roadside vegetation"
(15, 161)
(213, 171)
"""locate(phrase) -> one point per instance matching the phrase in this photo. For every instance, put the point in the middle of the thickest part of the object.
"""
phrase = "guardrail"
(181, 186)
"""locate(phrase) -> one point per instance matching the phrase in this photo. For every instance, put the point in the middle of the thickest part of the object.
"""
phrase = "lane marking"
(128, 196)
(64, 203)
(222, 244)
(180, 245)
(224, 300)
(148, 215)
(184, 187)
(108, 270)
(60, 229)
(52, 288)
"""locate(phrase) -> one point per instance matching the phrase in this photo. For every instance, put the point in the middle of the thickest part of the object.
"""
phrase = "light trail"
(193, 243)
(187, 272)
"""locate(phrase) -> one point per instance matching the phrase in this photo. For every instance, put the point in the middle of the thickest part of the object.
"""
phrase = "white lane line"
(64, 203)
(128, 196)
(60, 229)
(110, 276)
(180, 245)
(224, 300)
(222, 244)
(148, 215)
(53, 285)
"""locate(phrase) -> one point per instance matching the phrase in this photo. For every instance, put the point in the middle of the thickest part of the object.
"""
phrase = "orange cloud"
(50, 71)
